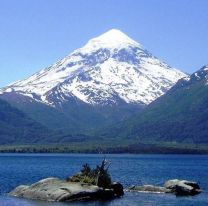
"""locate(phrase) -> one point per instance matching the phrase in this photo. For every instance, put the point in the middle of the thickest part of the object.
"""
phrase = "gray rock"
(183, 187)
(177, 187)
(149, 188)
(54, 189)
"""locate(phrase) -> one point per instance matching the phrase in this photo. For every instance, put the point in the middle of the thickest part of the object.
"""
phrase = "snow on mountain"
(108, 69)
(201, 74)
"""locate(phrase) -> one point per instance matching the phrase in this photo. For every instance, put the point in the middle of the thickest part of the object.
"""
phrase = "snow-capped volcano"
(109, 69)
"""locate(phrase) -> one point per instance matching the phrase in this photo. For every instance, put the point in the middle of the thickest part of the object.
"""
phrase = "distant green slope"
(16, 127)
(176, 122)
(72, 117)
(181, 116)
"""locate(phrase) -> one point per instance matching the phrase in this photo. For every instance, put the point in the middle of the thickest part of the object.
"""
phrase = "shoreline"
(107, 148)
(12, 151)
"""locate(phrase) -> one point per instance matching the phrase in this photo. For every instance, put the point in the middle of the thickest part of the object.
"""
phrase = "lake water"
(16, 169)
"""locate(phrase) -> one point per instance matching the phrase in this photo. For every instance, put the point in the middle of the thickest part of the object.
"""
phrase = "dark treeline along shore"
(94, 149)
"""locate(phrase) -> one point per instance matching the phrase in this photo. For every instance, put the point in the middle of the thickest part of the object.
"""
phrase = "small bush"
(98, 176)
(89, 180)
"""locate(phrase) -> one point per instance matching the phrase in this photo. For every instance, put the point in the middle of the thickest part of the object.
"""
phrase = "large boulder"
(54, 189)
(183, 187)
(117, 188)
(149, 188)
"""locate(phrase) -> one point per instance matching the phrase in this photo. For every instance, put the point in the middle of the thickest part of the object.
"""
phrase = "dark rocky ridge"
(179, 116)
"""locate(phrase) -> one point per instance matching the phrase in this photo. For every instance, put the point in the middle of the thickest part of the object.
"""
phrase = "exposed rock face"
(177, 187)
(183, 187)
(149, 188)
(54, 189)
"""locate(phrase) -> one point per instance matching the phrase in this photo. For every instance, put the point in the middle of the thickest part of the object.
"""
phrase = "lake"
(16, 169)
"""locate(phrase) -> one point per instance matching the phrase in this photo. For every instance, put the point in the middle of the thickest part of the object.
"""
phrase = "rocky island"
(88, 184)
(95, 184)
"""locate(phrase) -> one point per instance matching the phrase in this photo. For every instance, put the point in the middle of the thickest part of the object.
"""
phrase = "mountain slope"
(16, 127)
(107, 80)
(181, 115)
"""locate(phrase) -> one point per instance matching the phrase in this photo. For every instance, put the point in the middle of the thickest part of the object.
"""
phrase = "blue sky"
(36, 33)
